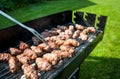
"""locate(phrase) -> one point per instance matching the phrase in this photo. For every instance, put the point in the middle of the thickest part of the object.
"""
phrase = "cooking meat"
(59, 42)
(76, 34)
(35, 40)
(68, 48)
(79, 27)
(23, 59)
(62, 27)
(71, 42)
(23, 46)
(44, 47)
(85, 31)
(65, 54)
(43, 64)
(4, 56)
(30, 53)
(57, 52)
(37, 50)
(14, 64)
(51, 58)
(83, 37)
(91, 29)
(15, 51)
(71, 27)
(29, 71)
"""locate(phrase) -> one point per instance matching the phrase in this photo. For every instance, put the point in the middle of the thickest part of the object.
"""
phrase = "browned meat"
(23, 46)
(15, 51)
(71, 42)
(59, 42)
(14, 64)
(83, 37)
(43, 64)
(58, 52)
(23, 59)
(35, 40)
(37, 50)
(79, 27)
(52, 45)
(29, 71)
(51, 58)
(30, 53)
(71, 28)
(65, 54)
(91, 29)
(68, 48)
(76, 34)
(4, 56)
(44, 47)
(85, 31)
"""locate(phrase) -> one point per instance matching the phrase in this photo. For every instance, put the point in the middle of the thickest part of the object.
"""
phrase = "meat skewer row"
(4, 56)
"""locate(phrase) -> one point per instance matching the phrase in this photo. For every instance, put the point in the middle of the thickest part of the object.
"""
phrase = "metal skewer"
(39, 36)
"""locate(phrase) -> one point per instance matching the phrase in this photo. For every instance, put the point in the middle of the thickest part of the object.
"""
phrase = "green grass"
(104, 60)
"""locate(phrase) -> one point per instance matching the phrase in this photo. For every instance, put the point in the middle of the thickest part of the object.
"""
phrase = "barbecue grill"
(67, 68)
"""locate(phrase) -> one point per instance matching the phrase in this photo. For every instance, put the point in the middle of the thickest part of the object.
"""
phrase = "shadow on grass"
(100, 68)
(38, 10)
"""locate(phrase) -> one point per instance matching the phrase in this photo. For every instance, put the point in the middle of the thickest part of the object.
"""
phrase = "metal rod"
(39, 36)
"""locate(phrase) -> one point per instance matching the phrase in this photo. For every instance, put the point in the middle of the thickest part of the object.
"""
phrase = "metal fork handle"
(24, 26)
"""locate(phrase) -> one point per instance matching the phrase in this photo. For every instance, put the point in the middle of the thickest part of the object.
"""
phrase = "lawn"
(104, 60)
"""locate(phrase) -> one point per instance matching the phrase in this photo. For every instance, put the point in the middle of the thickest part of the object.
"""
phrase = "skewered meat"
(65, 54)
(91, 29)
(4, 56)
(51, 58)
(79, 27)
(57, 52)
(76, 34)
(43, 64)
(71, 28)
(30, 53)
(37, 50)
(85, 31)
(59, 42)
(71, 42)
(29, 71)
(14, 64)
(23, 59)
(67, 48)
(23, 46)
(83, 37)
(15, 51)
(35, 40)
(44, 47)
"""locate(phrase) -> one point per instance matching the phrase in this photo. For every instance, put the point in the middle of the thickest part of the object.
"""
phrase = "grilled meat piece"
(91, 29)
(44, 47)
(83, 37)
(37, 50)
(85, 31)
(14, 64)
(30, 53)
(51, 58)
(71, 42)
(23, 46)
(79, 27)
(35, 40)
(68, 48)
(43, 64)
(4, 56)
(65, 54)
(71, 27)
(29, 71)
(15, 51)
(23, 59)
(76, 34)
